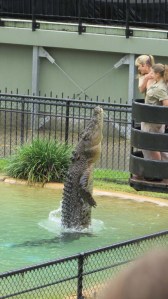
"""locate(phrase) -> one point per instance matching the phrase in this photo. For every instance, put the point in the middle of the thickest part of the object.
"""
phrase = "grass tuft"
(42, 161)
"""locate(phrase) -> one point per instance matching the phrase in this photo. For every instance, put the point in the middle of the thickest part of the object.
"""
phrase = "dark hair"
(161, 69)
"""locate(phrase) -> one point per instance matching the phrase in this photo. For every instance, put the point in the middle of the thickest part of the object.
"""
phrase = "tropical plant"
(41, 161)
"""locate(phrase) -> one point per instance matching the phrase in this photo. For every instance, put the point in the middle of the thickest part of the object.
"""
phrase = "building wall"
(84, 68)
(16, 68)
(80, 61)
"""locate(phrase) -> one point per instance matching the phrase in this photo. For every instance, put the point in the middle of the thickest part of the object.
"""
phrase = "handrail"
(123, 12)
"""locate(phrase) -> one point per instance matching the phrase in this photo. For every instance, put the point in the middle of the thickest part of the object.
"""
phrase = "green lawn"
(119, 181)
(112, 186)
(110, 180)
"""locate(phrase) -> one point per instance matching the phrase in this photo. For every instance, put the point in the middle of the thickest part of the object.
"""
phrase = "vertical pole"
(33, 15)
(131, 89)
(131, 83)
(67, 122)
(35, 70)
(35, 82)
(127, 31)
(22, 122)
(80, 276)
(79, 18)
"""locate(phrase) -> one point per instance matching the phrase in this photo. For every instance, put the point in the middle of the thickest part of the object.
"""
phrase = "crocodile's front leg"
(85, 180)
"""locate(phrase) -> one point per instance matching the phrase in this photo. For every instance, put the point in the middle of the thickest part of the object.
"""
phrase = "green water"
(29, 236)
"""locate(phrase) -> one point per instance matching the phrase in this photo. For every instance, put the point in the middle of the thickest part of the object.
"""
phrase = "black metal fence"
(79, 276)
(146, 13)
(25, 118)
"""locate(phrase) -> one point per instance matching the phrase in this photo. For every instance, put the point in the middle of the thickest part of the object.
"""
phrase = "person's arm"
(144, 82)
(165, 102)
(162, 96)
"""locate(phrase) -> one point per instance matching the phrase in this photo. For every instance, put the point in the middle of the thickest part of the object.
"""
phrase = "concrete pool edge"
(123, 195)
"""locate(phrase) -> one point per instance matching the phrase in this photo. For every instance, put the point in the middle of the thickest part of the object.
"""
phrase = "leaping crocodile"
(77, 199)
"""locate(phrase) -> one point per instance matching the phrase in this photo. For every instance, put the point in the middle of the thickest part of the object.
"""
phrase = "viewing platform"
(148, 175)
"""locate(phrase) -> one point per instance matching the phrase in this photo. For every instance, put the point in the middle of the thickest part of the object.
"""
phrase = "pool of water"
(30, 232)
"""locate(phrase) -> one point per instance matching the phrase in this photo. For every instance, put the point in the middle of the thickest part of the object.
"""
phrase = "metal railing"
(25, 118)
(79, 276)
(146, 13)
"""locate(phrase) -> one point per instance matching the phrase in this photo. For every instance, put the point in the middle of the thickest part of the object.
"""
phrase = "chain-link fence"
(79, 276)
(25, 118)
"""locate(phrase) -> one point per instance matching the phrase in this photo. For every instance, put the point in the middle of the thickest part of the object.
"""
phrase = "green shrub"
(42, 161)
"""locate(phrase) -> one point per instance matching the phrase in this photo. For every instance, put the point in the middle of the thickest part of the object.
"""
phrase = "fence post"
(67, 122)
(34, 24)
(81, 28)
(22, 122)
(128, 31)
(80, 277)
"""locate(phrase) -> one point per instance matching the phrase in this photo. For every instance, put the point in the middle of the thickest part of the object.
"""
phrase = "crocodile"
(77, 200)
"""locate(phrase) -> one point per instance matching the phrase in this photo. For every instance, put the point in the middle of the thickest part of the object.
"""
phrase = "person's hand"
(149, 76)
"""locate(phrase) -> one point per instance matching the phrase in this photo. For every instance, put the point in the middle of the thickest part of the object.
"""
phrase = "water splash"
(53, 225)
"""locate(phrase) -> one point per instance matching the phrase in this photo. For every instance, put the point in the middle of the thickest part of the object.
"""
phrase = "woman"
(156, 94)
(144, 65)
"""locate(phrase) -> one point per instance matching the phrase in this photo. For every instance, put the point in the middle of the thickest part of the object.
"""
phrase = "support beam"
(35, 70)
(35, 85)
(131, 83)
